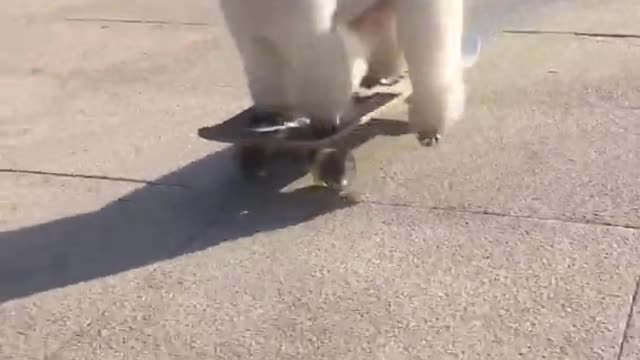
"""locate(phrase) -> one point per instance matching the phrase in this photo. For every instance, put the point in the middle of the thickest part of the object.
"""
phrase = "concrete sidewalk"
(125, 236)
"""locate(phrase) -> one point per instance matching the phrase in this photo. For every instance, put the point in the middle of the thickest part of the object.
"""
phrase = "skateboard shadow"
(157, 222)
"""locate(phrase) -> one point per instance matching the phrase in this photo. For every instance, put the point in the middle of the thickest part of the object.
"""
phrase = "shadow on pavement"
(157, 222)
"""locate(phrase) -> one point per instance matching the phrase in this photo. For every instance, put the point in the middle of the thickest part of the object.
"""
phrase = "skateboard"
(331, 163)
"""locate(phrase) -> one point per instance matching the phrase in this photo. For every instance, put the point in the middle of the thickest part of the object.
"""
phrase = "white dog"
(310, 55)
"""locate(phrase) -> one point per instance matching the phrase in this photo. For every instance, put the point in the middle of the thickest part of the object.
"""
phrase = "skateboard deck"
(296, 133)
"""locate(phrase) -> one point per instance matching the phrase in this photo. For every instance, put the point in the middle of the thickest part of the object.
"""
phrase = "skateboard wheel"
(335, 169)
(252, 160)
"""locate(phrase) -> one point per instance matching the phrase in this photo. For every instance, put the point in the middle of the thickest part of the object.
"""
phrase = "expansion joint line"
(483, 212)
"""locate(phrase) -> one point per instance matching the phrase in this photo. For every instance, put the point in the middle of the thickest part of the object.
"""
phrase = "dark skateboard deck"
(365, 106)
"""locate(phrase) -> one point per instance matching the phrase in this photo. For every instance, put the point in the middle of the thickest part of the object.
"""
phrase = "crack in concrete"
(574, 33)
(92, 177)
(452, 209)
(625, 333)
(139, 21)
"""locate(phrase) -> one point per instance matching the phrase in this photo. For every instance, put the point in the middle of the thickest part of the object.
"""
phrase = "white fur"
(310, 55)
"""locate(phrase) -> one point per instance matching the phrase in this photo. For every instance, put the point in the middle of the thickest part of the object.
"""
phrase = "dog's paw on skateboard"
(428, 139)
(370, 82)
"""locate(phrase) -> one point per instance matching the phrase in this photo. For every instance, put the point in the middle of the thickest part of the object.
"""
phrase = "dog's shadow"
(157, 222)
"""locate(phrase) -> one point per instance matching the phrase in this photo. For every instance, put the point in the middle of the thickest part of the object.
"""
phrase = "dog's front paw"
(430, 115)
(428, 139)
(370, 81)
(427, 123)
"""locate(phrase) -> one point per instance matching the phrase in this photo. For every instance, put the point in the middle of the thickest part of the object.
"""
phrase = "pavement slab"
(126, 237)
(190, 11)
(29, 199)
(411, 282)
(120, 101)
(630, 348)
(113, 225)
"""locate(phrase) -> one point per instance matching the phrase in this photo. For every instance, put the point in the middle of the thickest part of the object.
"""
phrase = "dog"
(311, 55)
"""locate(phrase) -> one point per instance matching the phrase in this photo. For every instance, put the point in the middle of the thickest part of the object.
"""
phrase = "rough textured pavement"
(126, 237)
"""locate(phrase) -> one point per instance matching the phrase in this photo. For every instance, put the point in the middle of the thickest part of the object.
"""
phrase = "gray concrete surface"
(630, 347)
(125, 236)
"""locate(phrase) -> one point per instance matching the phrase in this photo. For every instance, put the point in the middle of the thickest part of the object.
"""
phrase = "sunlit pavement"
(125, 236)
